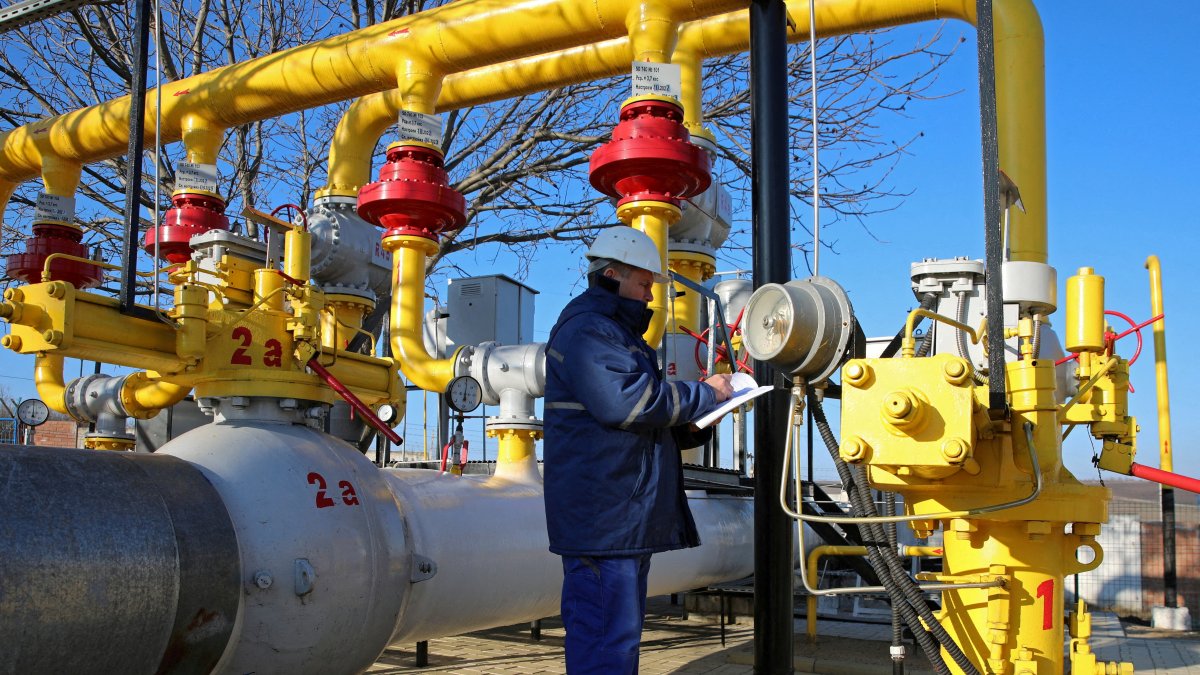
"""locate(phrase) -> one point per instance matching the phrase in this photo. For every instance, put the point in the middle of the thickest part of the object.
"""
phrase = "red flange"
(650, 156)
(191, 213)
(49, 238)
(413, 195)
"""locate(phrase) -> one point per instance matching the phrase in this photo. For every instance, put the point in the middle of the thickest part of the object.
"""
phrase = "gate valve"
(50, 238)
(650, 156)
(413, 196)
(191, 214)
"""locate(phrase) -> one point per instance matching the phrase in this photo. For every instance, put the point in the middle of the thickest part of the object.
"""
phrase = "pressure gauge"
(32, 412)
(387, 413)
(464, 394)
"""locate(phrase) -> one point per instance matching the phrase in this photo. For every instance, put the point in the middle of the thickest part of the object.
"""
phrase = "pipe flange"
(512, 423)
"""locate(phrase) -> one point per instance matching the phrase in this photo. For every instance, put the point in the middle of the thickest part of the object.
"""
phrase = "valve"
(191, 213)
(413, 195)
(48, 239)
(650, 156)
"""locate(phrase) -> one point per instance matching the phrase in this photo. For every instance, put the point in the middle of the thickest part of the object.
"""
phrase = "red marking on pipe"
(399, 31)
(1164, 477)
(182, 92)
(355, 402)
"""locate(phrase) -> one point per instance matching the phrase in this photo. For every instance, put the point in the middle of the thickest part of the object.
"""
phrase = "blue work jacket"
(613, 474)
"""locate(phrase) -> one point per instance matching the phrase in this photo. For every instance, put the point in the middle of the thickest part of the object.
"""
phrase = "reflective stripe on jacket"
(613, 473)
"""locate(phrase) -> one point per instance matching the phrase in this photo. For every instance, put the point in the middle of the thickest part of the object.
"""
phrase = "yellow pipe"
(451, 38)
(201, 139)
(1165, 460)
(655, 219)
(685, 310)
(408, 313)
(48, 377)
(1020, 85)
(908, 346)
(819, 552)
(143, 396)
(515, 445)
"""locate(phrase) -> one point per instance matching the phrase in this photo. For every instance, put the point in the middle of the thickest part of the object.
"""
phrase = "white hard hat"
(629, 246)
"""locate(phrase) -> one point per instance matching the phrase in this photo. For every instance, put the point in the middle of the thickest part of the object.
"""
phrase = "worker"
(613, 472)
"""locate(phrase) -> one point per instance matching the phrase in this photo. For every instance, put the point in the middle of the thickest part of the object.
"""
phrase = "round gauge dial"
(32, 412)
(464, 394)
(386, 413)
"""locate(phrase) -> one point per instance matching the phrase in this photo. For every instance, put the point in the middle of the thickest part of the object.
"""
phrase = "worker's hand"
(722, 386)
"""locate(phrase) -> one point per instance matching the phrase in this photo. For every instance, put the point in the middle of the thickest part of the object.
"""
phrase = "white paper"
(54, 207)
(193, 176)
(417, 126)
(744, 389)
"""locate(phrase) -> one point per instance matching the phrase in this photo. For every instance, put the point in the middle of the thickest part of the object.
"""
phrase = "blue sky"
(1121, 149)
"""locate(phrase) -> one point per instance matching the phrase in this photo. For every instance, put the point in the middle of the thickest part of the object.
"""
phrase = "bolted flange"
(191, 213)
(413, 195)
(48, 239)
(650, 156)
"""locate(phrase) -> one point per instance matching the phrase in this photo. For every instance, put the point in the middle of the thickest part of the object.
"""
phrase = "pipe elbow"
(408, 304)
(142, 397)
(48, 378)
(201, 138)
(354, 141)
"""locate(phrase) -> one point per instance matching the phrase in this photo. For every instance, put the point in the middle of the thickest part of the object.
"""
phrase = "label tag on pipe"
(415, 126)
(192, 176)
(54, 207)
(658, 79)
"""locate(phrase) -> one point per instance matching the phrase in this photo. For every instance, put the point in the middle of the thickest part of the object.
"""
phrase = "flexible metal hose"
(889, 509)
(960, 315)
(884, 558)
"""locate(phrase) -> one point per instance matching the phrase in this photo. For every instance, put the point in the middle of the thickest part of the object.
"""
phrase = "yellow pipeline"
(408, 314)
(696, 267)
(48, 377)
(143, 396)
(1020, 88)
(655, 219)
(451, 38)
(814, 557)
(1165, 460)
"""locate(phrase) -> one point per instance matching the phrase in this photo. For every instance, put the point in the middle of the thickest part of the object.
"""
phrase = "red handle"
(354, 401)
(1165, 477)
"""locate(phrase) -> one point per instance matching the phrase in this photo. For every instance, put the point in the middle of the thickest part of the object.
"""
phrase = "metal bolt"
(854, 450)
(56, 290)
(288, 404)
(14, 295)
(857, 374)
(239, 401)
(954, 450)
(262, 579)
(54, 337)
(955, 371)
(13, 342)
(898, 405)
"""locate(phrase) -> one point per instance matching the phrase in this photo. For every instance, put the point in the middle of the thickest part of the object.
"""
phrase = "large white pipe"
(488, 540)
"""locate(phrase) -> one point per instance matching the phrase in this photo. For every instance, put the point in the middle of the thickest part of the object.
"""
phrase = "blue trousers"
(603, 604)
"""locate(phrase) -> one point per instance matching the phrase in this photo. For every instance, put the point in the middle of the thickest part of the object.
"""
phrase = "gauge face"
(464, 394)
(32, 412)
(386, 413)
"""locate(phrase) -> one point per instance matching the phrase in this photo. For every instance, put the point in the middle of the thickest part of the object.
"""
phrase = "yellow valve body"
(1084, 330)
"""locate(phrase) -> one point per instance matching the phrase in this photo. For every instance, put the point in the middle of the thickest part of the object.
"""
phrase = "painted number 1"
(349, 496)
(1045, 591)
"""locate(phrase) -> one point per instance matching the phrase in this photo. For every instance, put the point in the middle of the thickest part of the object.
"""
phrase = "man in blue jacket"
(613, 474)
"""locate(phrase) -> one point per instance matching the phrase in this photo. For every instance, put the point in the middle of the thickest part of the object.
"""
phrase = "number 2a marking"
(1045, 591)
(240, 357)
(317, 479)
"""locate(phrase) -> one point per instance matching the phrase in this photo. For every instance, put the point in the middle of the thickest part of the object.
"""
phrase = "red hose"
(1165, 477)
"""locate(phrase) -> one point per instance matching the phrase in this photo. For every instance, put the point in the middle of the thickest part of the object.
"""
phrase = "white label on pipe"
(415, 126)
(54, 207)
(659, 79)
(191, 176)
(724, 203)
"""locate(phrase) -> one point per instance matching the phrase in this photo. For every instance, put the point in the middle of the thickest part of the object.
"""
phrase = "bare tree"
(521, 163)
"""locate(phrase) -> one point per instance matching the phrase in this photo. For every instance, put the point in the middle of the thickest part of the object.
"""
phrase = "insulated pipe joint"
(413, 196)
(497, 367)
(651, 156)
(192, 213)
(54, 238)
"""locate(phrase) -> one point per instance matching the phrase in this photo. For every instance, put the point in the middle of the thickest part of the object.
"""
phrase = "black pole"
(133, 176)
(772, 252)
(1170, 583)
(993, 253)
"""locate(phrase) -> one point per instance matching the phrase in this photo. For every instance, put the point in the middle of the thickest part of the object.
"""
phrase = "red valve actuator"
(413, 195)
